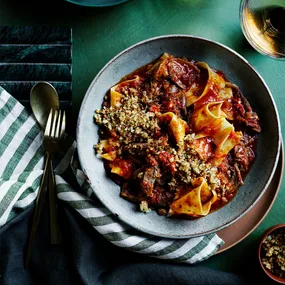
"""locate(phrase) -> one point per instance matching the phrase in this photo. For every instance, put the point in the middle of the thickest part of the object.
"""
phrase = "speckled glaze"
(238, 71)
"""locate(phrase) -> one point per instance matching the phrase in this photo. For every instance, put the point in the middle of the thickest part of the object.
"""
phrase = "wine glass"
(263, 24)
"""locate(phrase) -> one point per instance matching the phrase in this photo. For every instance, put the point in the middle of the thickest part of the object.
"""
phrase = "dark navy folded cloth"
(85, 257)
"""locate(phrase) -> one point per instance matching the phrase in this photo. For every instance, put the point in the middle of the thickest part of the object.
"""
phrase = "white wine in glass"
(263, 24)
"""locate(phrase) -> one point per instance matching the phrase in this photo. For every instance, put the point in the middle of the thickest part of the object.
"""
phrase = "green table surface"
(101, 33)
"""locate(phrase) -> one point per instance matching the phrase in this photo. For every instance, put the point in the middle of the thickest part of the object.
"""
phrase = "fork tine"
(54, 122)
(48, 125)
(58, 125)
(62, 130)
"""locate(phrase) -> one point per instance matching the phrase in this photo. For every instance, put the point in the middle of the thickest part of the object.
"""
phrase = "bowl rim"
(264, 235)
(167, 36)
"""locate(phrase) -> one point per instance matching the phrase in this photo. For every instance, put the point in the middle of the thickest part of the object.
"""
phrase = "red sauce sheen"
(209, 97)
(126, 167)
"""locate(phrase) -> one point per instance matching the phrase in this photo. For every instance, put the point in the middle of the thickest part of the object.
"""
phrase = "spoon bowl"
(43, 97)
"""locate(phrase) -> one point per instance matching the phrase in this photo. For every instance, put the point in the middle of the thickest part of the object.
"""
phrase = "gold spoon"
(43, 98)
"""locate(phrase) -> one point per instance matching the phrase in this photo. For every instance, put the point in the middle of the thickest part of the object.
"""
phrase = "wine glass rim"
(277, 55)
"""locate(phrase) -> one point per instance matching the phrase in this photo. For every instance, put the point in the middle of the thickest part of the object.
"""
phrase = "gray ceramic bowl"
(238, 71)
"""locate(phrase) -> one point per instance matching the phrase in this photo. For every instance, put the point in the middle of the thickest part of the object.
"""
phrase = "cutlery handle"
(38, 209)
(55, 233)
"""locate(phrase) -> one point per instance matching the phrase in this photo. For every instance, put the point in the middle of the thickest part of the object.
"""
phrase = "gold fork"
(54, 131)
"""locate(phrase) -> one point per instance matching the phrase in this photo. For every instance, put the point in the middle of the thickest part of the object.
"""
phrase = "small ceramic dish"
(265, 247)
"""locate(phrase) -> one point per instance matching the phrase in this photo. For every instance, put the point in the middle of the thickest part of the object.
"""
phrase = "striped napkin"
(21, 168)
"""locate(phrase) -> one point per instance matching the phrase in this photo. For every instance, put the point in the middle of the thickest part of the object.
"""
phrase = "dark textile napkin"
(85, 257)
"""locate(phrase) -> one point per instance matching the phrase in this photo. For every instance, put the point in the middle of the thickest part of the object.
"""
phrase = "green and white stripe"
(21, 168)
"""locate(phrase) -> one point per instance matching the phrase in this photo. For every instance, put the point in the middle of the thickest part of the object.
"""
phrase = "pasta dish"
(177, 136)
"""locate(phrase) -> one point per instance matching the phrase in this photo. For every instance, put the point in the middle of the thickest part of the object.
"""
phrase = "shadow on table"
(242, 46)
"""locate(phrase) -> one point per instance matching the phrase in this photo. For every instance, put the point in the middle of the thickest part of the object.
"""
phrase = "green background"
(101, 33)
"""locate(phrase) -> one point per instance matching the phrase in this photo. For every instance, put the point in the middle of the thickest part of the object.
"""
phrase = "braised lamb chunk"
(147, 179)
(182, 72)
(229, 173)
(243, 111)
(160, 197)
(244, 152)
(173, 101)
(131, 193)
(238, 175)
